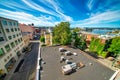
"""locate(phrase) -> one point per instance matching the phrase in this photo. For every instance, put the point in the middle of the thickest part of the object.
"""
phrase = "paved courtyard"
(52, 69)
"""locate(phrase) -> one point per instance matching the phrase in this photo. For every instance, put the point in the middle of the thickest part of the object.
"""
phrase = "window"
(10, 37)
(10, 23)
(0, 31)
(18, 29)
(1, 51)
(14, 36)
(1, 39)
(7, 47)
(15, 29)
(12, 29)
(17, 35)
(12, 44)
(16, 42)
(4, 22)
(19, 40)
(7, 30)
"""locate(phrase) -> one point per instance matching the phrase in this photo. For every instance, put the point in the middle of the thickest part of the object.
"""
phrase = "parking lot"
(51, 70)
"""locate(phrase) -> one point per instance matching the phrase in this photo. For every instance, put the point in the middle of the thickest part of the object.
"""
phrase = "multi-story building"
(11, 43)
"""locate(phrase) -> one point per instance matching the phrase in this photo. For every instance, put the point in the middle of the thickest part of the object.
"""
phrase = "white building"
(11, 43)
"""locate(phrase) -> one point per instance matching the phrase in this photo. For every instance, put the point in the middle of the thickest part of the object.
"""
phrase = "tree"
(62, 34)
(79, 41)
(115, 46)
(42, 39)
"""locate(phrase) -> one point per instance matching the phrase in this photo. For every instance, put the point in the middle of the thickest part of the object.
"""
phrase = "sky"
(80, 13)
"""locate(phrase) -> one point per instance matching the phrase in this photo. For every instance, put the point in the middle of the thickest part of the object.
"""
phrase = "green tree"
(76, 29)
(62, 34)
(115, 46)
(42, 39)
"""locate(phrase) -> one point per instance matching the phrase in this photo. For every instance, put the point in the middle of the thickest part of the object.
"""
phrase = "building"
(48, 37)
(27, 29)
(11, 43)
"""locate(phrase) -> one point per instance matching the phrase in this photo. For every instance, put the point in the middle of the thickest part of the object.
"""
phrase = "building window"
(7, 30)
(12, 29)
(18, 29)
(16, 42)
(14, 36)
(4, 22)
(17, 35)
(0, 31)
(15, 29)
(1, 51)
(12, 44)
(10, 37)
(10, 23)
(1, 39)
(19, 40)
(7, 47)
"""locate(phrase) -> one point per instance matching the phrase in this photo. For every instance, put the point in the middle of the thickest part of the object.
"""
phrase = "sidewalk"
(107, 63)
(9, 74)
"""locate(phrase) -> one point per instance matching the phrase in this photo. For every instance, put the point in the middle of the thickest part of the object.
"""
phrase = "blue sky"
(80, 13)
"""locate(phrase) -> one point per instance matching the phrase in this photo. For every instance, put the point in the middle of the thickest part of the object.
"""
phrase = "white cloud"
(101, 18)
(38, 7)
(26, 18)
(55, 6)
(90, 4)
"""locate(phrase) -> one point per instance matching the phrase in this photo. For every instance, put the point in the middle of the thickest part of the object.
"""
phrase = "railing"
(38, 65)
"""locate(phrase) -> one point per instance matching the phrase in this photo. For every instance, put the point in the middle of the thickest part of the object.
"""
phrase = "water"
(97, 31)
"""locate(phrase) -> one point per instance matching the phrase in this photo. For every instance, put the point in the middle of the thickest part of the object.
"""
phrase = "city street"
(51, 70)
(29, 64)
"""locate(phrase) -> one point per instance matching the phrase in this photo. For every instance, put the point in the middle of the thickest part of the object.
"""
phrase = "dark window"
(9, 37)
(7, 30)
(16, 42)
(19, 40)
(0, 31)
(7, 47)
(1, 51)
(12, 44)
(14, 36)
(1, 39)
(17, 35)
(4, 22)
(10, 23)
(18, 29)
(15, 29)
(12, 29)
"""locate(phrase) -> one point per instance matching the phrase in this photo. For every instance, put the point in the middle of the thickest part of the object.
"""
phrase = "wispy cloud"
(14, 5)
(38, 7)
(102, 18)
(90, 4)
(56, 6)
(23, 17)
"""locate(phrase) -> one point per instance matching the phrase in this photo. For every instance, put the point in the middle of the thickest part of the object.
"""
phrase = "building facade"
(27, 29)
(11, 43)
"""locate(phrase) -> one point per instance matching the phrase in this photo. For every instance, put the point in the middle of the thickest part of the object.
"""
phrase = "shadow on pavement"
(19, 65)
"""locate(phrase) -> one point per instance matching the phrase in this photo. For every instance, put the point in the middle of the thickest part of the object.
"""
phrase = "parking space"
(52, 69)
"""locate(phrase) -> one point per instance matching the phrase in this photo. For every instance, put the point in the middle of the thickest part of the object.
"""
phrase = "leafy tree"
(115, 46)
(62, 34)
(42, 39)
(76, 29)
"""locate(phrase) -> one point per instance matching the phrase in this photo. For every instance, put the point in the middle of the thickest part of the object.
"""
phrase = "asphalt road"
(29, 64)
(52, 68)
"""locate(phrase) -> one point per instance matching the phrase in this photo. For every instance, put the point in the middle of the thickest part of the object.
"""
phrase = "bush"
(43, 45)
(42, 39)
